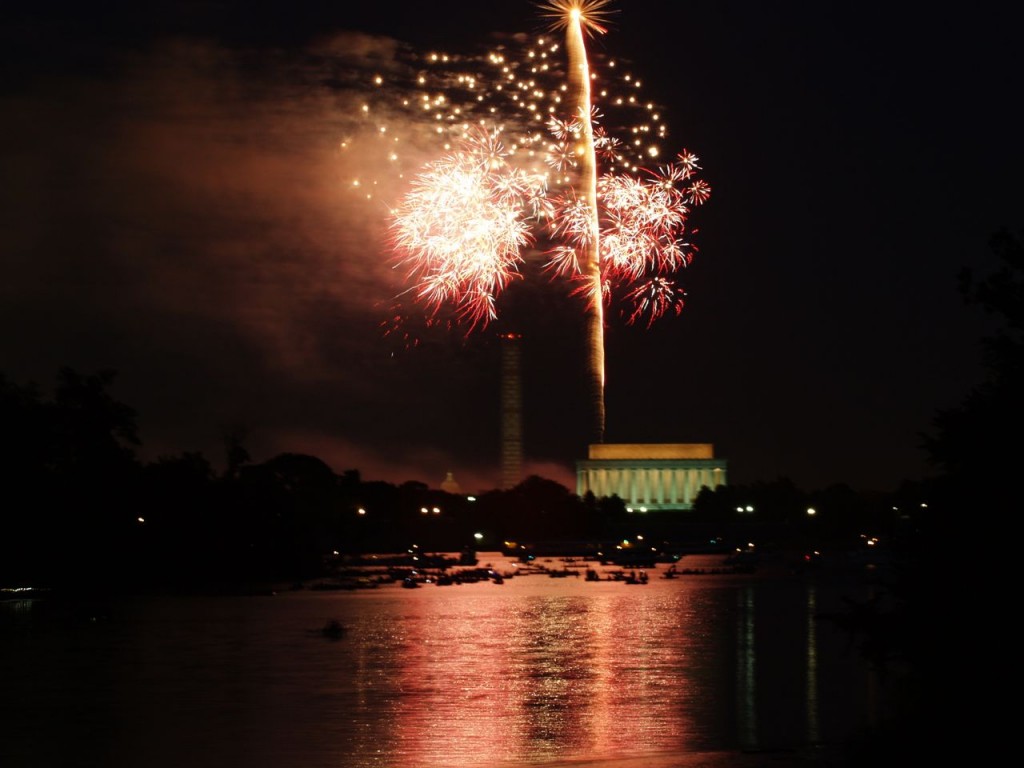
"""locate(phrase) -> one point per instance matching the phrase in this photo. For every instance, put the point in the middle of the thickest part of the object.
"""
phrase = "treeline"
(80, 508)
(83, 510)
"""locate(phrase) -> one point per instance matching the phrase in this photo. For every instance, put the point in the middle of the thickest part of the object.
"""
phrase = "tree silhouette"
(70, 462)
(975, 444)
(975, 448)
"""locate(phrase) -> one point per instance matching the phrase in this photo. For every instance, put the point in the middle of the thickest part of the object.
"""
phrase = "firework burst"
(523, 140)
(590, 15)
(461, 229)
(424, 105)
(642, 225)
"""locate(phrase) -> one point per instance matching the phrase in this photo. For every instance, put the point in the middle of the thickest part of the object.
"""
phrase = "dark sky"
(177, 206)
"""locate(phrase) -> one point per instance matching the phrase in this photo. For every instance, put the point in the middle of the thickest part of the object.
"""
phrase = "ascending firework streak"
(575, 16)
(461, 229)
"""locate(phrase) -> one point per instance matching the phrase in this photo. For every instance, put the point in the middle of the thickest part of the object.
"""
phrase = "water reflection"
(544, 672)
(813, 735)
(490, 678)
(536, 671)
(746, 669)
(778, 676)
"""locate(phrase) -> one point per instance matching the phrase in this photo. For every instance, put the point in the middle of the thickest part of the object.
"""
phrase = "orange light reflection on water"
(499, 673)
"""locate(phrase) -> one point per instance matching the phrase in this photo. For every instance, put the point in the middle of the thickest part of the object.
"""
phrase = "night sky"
(177, 207)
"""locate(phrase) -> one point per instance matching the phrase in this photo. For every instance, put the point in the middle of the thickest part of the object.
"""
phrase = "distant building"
(450, 484)
(511, 411)
(650, 476)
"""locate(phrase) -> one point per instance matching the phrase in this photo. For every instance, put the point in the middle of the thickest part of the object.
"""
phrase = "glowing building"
(450, 484)
(650, 476)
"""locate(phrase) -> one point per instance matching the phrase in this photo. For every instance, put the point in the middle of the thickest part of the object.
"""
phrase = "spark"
(428, 102)
(654, 298)
(591, 15)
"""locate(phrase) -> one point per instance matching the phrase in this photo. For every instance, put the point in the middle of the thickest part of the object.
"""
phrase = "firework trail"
(575, 16)
(520, 161)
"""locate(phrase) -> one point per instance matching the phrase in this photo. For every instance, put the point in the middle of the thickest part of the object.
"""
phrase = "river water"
(708, 670)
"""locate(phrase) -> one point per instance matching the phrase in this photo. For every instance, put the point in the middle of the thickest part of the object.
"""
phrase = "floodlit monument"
(650, 476)
(450, 484)
(511, 411)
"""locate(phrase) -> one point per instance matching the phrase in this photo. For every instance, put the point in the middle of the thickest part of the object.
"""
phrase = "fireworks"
(461, 229)
(587, 15)
(527, 153)
(516, 146)
(425, 105)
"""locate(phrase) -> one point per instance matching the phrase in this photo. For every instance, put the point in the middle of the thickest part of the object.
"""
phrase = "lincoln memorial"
(650, 476)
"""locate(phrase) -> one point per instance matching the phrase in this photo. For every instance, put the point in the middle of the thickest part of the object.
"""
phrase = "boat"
(333, 630)
(562, 573)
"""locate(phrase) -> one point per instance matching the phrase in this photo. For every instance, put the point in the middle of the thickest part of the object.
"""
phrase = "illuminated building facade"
(650, 476)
